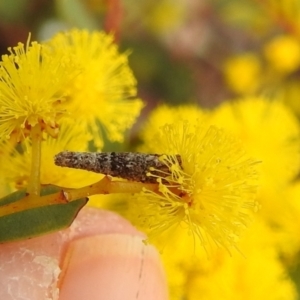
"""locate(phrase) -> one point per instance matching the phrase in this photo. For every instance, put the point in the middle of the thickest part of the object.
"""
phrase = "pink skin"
(101, 256)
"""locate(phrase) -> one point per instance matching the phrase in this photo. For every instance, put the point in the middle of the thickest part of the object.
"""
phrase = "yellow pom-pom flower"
(210, 190)
(283, 53)
(194, 277)
(251, 277)
(104, 94)
(32, 81)
(242, 73)
(166, 114)
(269, 131)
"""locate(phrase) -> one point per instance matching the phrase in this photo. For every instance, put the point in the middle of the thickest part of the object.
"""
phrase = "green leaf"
(37, 221)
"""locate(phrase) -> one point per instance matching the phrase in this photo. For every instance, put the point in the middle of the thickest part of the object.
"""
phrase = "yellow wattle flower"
(166, 114)
(211, 192)
(269, 131)
(283, 53)
(243, 73)
(194, 276)
(32, 82)
(104, 94)
(252, 276)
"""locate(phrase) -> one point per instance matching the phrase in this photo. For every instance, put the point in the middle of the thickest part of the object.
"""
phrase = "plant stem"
(34, 185)
(107, 186)
(104, 186)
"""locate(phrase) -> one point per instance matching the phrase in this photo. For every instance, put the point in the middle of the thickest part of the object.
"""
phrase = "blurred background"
(182, 51)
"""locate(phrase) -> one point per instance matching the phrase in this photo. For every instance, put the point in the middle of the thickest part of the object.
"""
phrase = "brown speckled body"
(127, 165)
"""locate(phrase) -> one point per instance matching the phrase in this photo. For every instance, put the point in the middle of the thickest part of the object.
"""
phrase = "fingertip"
(29, 269)
(112, 266)
(100, 254)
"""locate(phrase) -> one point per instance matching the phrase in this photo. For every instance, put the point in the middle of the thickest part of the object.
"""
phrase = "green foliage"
(37, 221)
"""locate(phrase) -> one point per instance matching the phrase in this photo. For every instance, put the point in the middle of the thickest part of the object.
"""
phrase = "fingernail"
(112, 267)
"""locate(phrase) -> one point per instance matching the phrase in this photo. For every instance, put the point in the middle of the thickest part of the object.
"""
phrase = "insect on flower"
(204, 181)
(127, 165)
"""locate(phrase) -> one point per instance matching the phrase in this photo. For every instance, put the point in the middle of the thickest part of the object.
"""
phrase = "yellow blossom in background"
(182, 260)
(166, 114)
(243, 73)
(259, 274)
(289, 94)
(269, 131)
(32, 89)
(16, 163)
(251, 274)
(211, 192)
(104, 94)
(283, 53)
(285, 224)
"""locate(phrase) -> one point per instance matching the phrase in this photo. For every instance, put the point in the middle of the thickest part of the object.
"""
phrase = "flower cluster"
(32, 88)
(103, 95)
